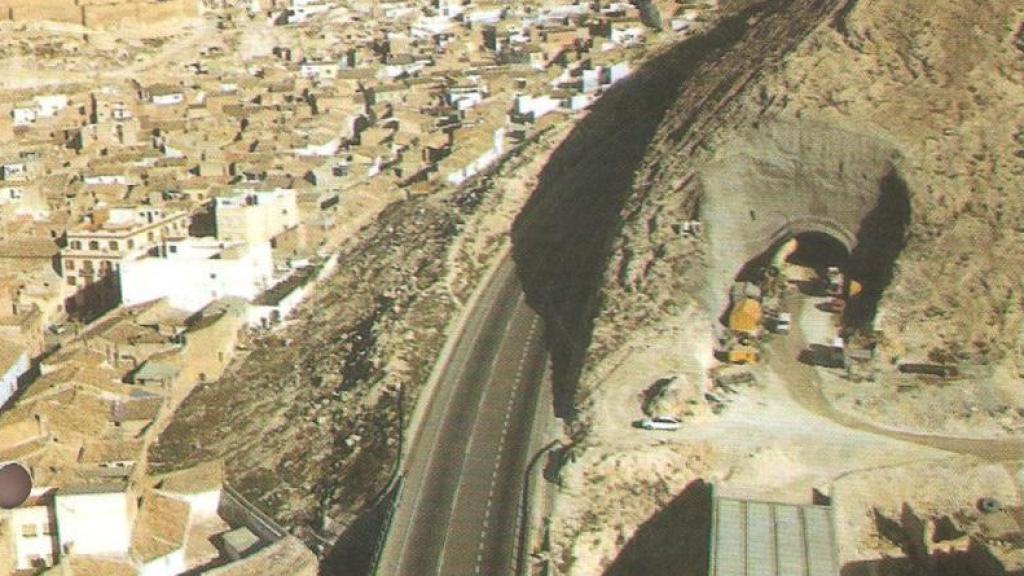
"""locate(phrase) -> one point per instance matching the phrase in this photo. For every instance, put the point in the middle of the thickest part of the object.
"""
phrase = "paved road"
(458, 510)
(803, 383)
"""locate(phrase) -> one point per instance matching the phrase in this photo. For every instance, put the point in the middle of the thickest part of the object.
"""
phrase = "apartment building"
(96, 248)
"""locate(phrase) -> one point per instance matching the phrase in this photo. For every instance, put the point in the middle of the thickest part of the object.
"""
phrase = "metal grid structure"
(750, 538)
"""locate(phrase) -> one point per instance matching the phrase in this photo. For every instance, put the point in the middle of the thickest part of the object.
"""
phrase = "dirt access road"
(804, 385)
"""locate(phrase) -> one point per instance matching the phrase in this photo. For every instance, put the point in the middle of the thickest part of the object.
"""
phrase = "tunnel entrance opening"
(818, 251)
(879, 241)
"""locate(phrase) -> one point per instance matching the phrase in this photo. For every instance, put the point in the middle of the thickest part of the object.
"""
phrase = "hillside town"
(183, 194)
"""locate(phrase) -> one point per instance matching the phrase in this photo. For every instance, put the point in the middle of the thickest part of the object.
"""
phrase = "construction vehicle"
(742, 354)
(743, 290)
(745, 316)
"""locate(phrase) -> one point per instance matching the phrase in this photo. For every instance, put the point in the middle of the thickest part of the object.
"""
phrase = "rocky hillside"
(939, 84)
(307, 418)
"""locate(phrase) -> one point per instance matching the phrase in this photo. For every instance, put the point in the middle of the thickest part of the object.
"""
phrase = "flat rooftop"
(750, 538)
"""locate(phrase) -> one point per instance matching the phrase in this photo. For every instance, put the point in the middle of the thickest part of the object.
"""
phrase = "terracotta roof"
(202, 478)
(136, 410)
(9, 354)
(94, 566)
(161, 527)
(286, 556)
(27, 247)
(104, 451)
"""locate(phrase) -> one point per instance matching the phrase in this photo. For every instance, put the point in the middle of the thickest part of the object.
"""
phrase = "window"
(72, 280)
(76, 245)
(131, 244)
(113, 245)
(149, 236)
(94, 245)
(87, 265)
(29, 530)
(69, 265)
(173, 249)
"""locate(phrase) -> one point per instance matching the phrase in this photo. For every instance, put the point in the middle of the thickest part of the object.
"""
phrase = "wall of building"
(256, 217)
(169, 565)
(98, 13)
(94, 523)
(210, 346)
(197, 281)
(34, 536)
(9, 379)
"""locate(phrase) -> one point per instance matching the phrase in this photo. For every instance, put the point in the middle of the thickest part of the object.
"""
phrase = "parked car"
(659, 423)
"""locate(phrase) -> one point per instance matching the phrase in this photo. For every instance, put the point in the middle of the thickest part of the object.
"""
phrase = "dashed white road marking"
(513, 394)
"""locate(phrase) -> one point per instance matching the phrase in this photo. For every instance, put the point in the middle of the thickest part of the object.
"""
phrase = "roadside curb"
(453, 333)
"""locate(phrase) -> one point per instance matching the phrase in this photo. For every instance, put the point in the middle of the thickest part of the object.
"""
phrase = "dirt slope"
(897, 122)
(939, 83)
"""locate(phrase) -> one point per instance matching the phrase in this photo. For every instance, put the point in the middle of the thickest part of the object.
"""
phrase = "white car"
(783, 323)
(659, 423)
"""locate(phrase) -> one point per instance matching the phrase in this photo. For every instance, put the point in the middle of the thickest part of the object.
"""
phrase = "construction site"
(807, 275)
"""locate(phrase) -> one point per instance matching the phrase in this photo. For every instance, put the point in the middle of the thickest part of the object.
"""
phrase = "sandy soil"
(936, 84)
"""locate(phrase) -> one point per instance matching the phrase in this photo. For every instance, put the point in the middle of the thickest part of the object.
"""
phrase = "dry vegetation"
(307, 420)
(937, 84)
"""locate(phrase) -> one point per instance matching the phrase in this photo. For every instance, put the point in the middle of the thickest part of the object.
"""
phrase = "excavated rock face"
(894, 126)
(789, 178)
(601, 237)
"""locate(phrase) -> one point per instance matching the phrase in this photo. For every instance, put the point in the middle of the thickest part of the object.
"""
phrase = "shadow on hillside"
(976, 561)
(880, 240)
(353, 553)
(674, 541)
(564, 236)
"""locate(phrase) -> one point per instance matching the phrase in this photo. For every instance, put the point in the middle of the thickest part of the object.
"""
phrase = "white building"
(14, 362)
(104, 179)
(94, 520)
(166, 96)
(34, 538)
(193, 272)
(318, 70)
(23, 115)
(473, 158)
(328, 148)
(534, 107)
(255, 216)
(51, 105)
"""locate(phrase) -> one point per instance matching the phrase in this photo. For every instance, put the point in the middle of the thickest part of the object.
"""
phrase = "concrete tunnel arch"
(785, 179)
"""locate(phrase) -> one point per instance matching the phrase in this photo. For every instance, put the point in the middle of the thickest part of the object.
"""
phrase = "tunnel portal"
(838, 193)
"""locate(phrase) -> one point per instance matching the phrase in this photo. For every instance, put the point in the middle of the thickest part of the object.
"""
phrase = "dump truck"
(743, 354)
(745, 316)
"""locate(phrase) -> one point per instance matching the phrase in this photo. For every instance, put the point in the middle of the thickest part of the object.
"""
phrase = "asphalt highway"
(458, 511)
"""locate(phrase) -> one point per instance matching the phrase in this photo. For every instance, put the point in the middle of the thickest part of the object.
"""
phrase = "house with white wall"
(534, 107)
(160, 535)
(94, 520)
(202, 269)
(255, 216)
(48, 106)
(34, 537)
(475, 154)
